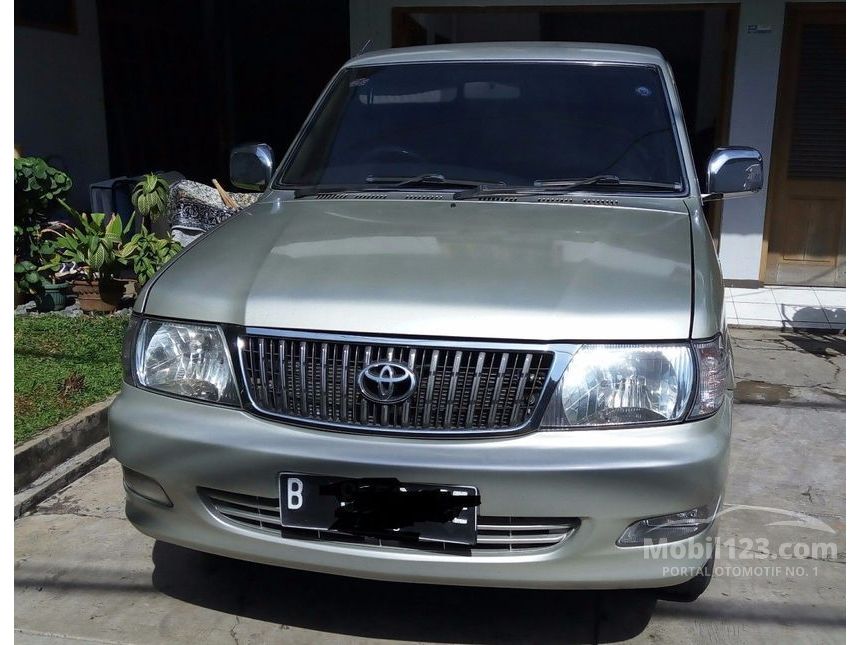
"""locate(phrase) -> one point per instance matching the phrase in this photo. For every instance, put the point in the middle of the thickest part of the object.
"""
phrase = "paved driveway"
(83, 574)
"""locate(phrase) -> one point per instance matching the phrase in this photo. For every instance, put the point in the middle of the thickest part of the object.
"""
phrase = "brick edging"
(56, 445)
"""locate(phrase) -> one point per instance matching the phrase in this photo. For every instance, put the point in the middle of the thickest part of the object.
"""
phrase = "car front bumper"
(607, 479)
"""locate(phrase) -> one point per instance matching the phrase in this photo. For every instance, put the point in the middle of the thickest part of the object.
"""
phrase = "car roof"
(512, 51)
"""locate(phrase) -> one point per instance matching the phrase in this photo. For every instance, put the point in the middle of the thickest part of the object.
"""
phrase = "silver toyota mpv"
(471, 333)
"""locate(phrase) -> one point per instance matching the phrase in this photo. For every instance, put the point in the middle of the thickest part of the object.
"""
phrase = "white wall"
(59, 100)
(753, 107)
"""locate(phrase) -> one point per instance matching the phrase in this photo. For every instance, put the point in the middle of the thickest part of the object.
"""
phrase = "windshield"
(509, 123)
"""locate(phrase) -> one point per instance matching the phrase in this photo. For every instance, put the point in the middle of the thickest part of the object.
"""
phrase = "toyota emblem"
(386, 382)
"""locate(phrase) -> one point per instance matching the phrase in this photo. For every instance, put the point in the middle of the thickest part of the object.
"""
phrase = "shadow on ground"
(369, 609)
(817, 344)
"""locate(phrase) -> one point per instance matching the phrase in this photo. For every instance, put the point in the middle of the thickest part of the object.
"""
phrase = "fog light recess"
(669, 528)
(145, 487)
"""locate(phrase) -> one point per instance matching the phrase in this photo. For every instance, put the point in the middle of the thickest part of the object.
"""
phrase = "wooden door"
(805, 228)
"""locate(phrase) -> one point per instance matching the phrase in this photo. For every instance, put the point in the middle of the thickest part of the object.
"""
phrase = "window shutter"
(818, 125)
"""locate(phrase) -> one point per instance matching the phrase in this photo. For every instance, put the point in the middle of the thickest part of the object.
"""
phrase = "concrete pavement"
(84, 574)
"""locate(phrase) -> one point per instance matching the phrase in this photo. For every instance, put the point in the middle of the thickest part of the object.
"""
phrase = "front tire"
(690, 590)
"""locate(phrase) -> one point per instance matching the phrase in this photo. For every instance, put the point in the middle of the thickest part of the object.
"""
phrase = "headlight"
(610, 385)
(617, 385)
(183, 359)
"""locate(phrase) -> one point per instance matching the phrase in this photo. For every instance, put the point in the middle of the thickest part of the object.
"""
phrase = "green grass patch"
(62, 365)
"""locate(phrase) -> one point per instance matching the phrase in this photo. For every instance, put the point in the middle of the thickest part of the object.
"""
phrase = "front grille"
(459, 390)
(503, 534)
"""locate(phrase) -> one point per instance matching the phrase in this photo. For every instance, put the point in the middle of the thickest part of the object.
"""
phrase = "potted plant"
(147, 253)
(39, 188)
(149, 199)
(30, 283)
(93, 247)
(49, 293)
(52, 297)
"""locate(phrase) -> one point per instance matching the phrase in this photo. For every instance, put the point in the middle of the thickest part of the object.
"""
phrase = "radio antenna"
(365, 46)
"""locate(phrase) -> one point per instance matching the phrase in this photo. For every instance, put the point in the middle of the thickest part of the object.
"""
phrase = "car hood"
(465, 269)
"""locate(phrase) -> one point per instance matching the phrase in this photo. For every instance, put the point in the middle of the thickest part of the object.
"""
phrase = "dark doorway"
(697, 40)
(185, 81)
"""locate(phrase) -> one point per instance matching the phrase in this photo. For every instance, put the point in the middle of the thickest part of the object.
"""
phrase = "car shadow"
(399, 611)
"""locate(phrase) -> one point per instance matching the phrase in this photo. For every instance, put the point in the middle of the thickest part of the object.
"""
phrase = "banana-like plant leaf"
(98, 257)
(113, 229)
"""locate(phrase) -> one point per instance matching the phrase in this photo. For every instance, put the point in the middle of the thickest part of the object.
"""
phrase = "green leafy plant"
(147, 253)
(30, 275)
(149, 198)
(38, 188)
(28, 279)
(94, 246)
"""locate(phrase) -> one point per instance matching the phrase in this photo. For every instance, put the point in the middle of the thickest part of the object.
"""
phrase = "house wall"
(753, 108)
(59, 102)
(756, 75)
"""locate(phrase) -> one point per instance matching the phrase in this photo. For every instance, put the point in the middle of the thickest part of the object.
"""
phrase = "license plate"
(380, 507)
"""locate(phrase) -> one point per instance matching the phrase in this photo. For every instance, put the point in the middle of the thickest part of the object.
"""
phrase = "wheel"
(690, 590)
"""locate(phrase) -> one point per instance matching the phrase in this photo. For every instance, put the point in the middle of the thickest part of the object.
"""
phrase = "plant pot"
(53, 298)
(98, 295)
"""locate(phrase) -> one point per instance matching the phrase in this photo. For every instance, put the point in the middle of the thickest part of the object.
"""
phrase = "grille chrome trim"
(500, 388)
(496, 535)
(303, 374)
(514, 540)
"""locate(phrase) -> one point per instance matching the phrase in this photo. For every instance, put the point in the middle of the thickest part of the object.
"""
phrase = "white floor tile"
(752, 295)
(786, 307)
(802, 313)
(831, 297)
(784, 296)
(731, 312)
(758, 311)
(755, 322)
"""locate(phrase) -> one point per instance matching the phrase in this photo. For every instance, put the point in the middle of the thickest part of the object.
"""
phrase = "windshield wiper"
(428, 179)
(604, 180)
(543, 186)
(388, 183)
(479, 188)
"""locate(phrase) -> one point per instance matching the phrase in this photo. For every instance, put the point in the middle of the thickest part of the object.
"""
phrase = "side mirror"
(251, 166)
(733, 171)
